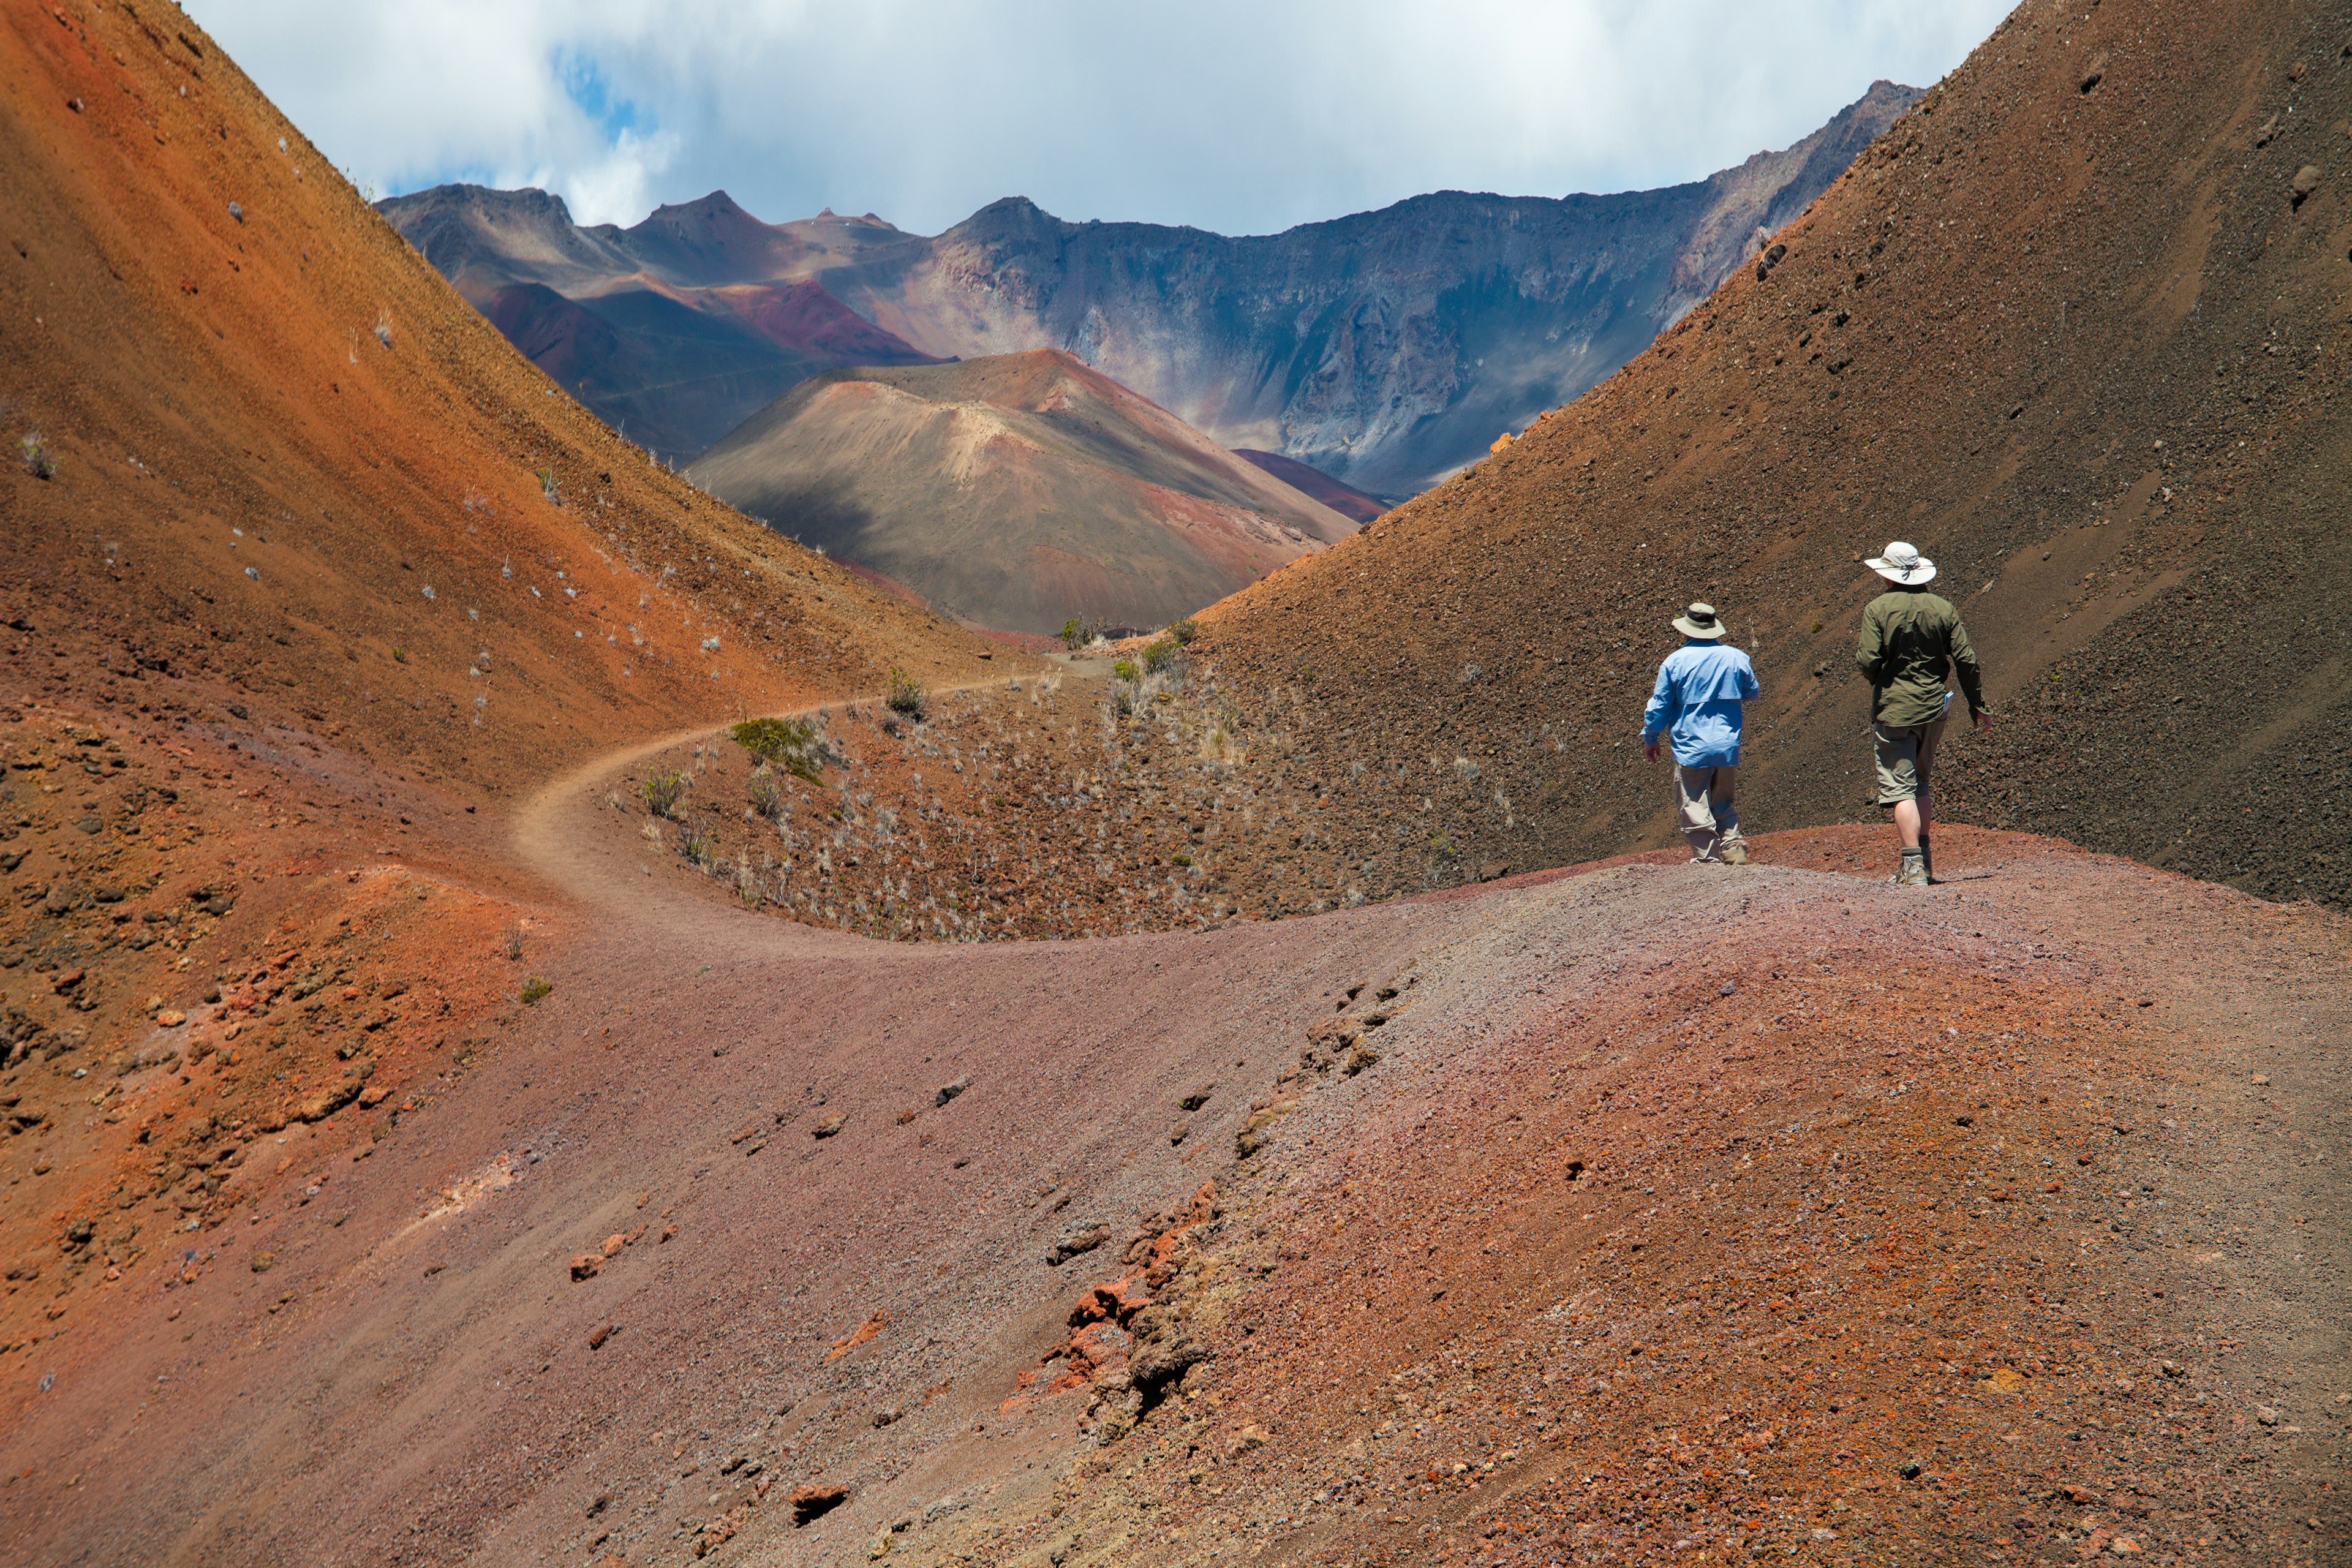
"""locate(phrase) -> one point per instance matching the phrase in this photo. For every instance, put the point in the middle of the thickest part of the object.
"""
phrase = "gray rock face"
(1387, 348)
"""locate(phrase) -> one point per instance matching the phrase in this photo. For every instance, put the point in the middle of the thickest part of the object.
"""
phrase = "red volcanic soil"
(1598, 1213)
(895, 589)
(1341, 498)
(803, 318)
(549, 330)
(285, 460)
(413, 1150)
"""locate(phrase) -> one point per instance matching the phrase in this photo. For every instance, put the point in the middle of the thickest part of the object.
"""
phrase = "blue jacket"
(1700, 688)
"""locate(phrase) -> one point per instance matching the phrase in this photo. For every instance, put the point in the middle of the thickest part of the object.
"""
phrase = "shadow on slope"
(2070, 326)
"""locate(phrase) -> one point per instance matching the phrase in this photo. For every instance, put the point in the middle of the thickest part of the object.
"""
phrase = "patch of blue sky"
(586, 84)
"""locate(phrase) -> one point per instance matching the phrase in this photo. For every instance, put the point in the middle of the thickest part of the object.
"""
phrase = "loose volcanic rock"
(815, 1501)
(1075, 1242)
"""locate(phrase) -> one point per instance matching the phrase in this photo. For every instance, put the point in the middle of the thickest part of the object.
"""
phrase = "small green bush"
(1073, 633)
(788, 743)
(1159, 655)
(767, 796)
(37, 457)
(534, 991)
(1124, 668)
(662, 791)
(1184, 631)
(906, 696)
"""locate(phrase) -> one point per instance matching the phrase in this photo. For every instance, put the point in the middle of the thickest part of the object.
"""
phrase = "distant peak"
(526, 198)
(827, 212)
(1011, 215)
(717, 204)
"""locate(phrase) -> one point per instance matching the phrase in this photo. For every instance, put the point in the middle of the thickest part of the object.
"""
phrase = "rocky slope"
(412, 1151)
(1345, 499)
(673, 336)
(2073, 328)
(1017, 492)
(303, 570)
(324, 490)
(1600, 1214)
(1385, 349)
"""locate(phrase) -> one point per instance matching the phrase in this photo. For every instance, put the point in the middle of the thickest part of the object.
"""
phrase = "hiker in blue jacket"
(1700, 688)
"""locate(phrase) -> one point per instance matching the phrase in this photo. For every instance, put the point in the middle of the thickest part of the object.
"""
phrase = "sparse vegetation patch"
(905, 697)
(767, 794)
(662, 791)
(788, 743)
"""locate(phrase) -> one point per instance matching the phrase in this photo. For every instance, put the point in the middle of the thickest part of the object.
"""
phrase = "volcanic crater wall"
(2074, 326)
(261, 449)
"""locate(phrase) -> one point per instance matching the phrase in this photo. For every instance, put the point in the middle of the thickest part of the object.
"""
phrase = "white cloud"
(620, 186)
(1238, 115)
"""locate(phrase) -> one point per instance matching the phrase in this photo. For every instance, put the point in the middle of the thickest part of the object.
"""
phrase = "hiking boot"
(1927, 856)
(1734, 853)
(1912, 870)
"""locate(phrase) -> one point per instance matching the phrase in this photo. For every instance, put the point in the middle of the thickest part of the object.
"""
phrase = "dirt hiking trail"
(1583, 1215)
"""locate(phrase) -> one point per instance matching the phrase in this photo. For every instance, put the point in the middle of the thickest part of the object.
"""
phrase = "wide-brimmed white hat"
(1903, 563)
(1699, 621)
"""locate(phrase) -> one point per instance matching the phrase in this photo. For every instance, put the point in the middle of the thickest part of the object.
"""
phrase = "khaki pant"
(1709, 820)
(1905, 753)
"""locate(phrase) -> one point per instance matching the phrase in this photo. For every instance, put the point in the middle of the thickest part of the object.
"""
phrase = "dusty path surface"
(1784, 1271)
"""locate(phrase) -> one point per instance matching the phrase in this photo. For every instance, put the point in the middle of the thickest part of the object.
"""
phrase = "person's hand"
(1649, 751)
(1983, 723)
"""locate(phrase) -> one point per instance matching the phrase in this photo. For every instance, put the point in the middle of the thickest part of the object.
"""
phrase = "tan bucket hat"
(1699, 621)
(1903, 563)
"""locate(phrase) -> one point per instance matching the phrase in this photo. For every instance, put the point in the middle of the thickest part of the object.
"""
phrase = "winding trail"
(752, 1108)
(563, 833)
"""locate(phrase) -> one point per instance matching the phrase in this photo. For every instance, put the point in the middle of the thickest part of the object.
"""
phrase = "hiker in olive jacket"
(1911, 640)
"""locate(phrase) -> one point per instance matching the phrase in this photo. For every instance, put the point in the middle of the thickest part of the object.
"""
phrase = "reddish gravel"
(414, 1373)
(1569, 1218)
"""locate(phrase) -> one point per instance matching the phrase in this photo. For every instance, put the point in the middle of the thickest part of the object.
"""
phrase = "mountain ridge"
(1383, 348)
(2096, 372)
(1016, 492)
(572, 1180)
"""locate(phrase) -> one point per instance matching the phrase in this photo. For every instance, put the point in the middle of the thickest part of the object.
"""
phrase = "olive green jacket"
(1910, 640)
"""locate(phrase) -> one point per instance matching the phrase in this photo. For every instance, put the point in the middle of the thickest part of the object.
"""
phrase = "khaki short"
(1905, 752)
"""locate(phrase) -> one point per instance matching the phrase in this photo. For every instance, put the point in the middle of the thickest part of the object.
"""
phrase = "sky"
(1240, 116)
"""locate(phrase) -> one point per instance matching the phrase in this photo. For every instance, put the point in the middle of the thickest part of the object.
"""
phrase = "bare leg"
(1909, 819)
